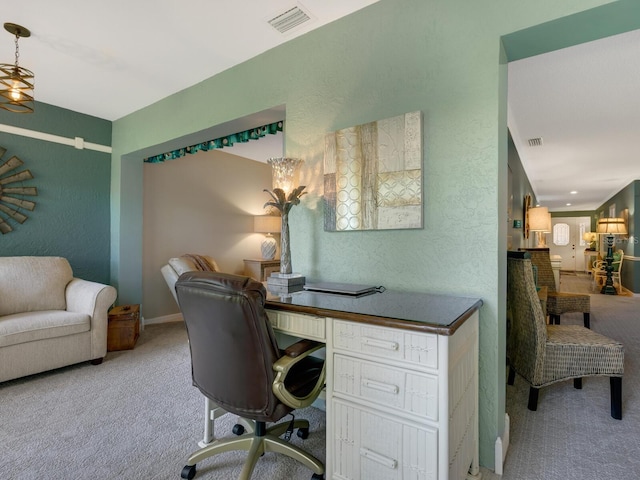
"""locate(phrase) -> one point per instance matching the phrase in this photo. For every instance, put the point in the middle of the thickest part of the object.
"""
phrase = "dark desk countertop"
(425, 312)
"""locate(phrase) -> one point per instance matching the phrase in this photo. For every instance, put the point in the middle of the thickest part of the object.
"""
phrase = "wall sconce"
(610, 227)
(540, 222)
(267, 224)
(16, 82)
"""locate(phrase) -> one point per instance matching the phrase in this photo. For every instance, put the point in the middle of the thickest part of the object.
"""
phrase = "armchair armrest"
(93, 299)
(292, 356)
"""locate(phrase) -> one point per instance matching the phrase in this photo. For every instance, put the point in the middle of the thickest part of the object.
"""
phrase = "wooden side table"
(260, 269)
(124, 327)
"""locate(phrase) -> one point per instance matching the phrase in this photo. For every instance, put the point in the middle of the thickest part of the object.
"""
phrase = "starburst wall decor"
(12, 192)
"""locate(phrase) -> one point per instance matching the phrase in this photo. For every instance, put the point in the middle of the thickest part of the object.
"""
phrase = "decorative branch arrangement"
(283, 204)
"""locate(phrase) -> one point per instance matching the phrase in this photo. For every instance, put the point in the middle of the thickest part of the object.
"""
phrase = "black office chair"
(236, 362)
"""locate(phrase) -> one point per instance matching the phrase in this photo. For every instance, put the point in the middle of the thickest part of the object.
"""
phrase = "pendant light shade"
(16, 82)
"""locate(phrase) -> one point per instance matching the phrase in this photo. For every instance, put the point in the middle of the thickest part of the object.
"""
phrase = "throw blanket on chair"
(201, 262)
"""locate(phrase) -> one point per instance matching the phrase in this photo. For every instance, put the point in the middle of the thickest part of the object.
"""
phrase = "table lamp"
(590, 238)
(267, 224)
(610, 227)
(539, 222)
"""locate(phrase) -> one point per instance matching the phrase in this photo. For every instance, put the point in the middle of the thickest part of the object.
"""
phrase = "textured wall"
(441, 57)
(71, 217)
(203, 204)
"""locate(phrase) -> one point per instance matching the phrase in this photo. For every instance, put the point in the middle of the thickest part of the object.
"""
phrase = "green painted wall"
(443, 57)
(71, 218)
(519, 187)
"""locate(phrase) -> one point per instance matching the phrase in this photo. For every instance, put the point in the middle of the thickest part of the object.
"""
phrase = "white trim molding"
(176, 317)
(502, 445)
(77, 142)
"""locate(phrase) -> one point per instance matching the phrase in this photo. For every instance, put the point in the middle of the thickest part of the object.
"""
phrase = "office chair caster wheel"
(238, 429)
(303, 433)
(188, 472)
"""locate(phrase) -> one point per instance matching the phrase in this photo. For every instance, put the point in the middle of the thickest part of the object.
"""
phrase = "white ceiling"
(108, 58)
(583, 102)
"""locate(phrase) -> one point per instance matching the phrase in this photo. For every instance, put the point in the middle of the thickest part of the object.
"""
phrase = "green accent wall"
(443, 57)
(72, 214)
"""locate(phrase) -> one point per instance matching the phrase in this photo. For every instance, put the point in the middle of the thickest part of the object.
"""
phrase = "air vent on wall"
(535, 142)
(290, 19)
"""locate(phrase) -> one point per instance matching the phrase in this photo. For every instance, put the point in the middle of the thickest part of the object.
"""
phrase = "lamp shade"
(284, 172)
(612, 226)
(266, 224)
(539, 219)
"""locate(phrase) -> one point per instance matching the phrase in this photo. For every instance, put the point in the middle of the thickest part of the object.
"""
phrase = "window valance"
(227, 141)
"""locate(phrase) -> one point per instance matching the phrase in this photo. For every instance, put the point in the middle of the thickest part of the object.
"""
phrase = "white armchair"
(48, 318)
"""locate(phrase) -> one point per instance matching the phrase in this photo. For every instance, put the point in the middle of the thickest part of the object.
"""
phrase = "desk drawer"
(404, 390)
(404, 346)
(371, 445)
(299, 325)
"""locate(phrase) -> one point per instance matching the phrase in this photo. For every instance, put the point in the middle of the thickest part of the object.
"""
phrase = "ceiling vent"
(290, 19)
(535, 142)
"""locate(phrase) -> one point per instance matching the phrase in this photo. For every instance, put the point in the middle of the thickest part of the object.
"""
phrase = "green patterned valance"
(228, 141)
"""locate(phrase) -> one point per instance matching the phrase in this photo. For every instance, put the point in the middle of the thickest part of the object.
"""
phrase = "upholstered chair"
(558, 302)
(236, 362)
(186, 263)
(545, 354)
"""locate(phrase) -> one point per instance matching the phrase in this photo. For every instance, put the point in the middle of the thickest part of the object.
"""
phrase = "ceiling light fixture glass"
(16, 82)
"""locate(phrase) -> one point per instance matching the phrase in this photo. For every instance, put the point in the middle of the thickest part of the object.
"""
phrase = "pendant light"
(16, 82)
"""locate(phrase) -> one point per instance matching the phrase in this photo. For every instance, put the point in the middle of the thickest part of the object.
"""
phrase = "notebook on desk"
(340, 288)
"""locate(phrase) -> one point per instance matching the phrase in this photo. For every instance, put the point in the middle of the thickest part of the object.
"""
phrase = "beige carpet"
(136, 416)
(572, 435)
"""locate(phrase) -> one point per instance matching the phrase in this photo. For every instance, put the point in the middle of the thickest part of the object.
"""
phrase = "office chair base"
(257, 446)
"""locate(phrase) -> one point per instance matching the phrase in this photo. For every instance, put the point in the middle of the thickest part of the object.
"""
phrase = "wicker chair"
(545, 354)
(558, 302)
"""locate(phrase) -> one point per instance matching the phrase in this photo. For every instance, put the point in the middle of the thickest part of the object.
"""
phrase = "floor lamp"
(610, 227)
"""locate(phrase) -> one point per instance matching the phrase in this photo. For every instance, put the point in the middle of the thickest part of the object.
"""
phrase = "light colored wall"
(442, 57)
(203, 204)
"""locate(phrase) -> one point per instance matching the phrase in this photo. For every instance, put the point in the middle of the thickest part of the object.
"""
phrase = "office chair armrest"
(301, 347)
(293, 355)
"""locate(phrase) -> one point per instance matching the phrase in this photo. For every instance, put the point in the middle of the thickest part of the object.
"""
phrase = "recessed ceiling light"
(568, 204)
(573, 192)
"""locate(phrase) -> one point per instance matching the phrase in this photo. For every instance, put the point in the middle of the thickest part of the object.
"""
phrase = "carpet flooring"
(137, 416)
(572, 435)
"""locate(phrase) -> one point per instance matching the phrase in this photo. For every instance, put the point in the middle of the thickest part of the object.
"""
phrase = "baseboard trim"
(176, 317)
(502, 445)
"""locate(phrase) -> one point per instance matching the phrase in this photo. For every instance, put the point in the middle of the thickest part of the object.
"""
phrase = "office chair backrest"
(232, 344)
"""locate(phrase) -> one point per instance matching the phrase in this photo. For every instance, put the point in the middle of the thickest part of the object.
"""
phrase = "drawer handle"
(376, 457)
(383, 387)
(372, 342)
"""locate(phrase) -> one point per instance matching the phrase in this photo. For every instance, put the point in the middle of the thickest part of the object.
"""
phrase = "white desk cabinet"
(401, 385)
(402, 404)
